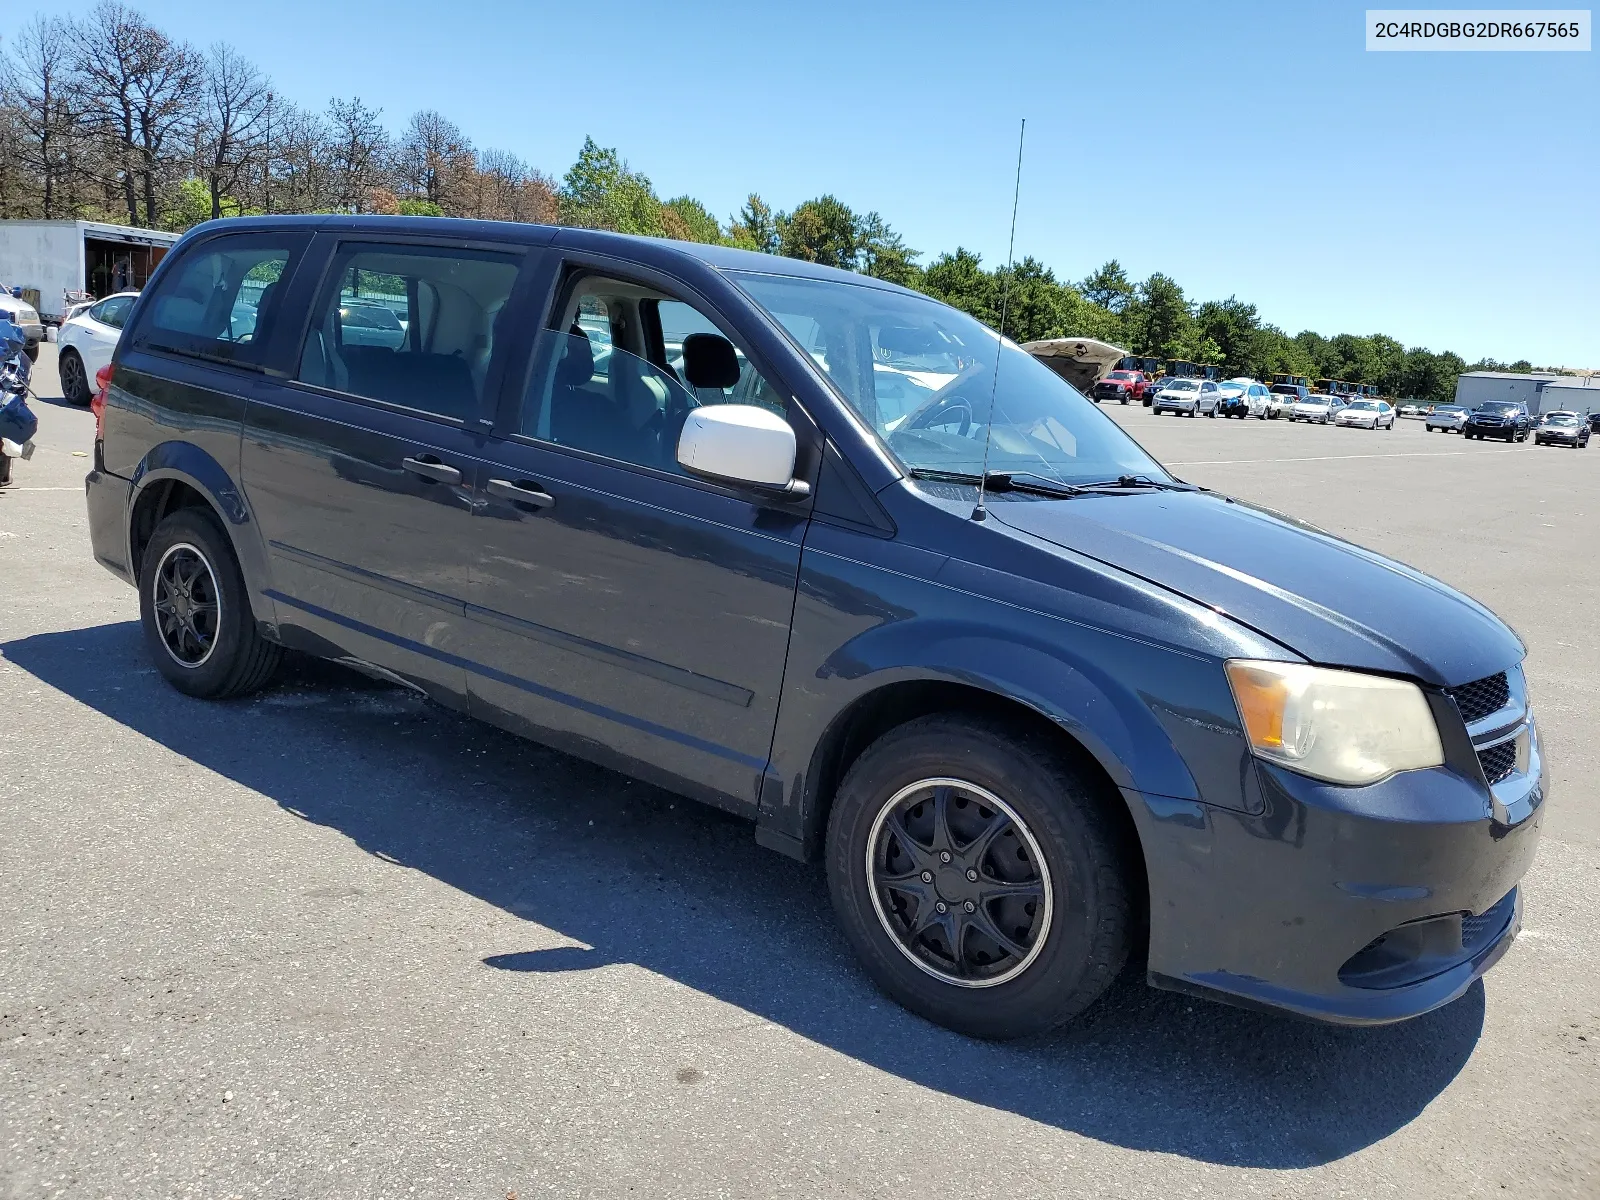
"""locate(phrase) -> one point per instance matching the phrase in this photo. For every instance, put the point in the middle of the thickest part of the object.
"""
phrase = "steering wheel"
(941, 413)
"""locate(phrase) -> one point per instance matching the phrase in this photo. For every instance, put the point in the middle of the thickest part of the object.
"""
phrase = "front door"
(362, 470)
(622, 608)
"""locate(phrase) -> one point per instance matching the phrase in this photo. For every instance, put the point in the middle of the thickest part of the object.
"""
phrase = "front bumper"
(1358, 906)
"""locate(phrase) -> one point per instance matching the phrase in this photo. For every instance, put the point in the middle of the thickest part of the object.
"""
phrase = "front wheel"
(196, 613)
(977, 877)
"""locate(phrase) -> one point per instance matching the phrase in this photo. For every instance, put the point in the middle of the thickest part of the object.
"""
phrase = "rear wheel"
(196, 613)
(977, 877)
(74, 378)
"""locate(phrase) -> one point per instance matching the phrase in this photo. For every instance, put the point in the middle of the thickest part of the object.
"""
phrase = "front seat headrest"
(709, 361)
(576, 366)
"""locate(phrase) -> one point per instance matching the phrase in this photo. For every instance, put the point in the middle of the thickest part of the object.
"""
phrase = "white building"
(1533, 389)
(1575, 393)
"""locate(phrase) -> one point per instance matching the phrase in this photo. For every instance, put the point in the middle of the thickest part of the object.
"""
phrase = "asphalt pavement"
(333, 941)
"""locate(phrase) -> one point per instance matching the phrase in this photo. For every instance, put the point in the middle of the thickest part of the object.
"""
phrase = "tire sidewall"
(197, 528)
(84, 394)
(1033, 1001)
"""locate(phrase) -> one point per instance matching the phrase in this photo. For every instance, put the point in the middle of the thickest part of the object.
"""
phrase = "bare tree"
(432, 158)
(357, 147)
(139, 88)
(302, 174)
(39, 87)
(512, 191)
(232, 126)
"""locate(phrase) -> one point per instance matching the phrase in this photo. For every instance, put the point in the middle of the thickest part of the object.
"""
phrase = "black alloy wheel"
(196, 613)
(188, 605)
(978, 877)
(959, 882)
(74, 378)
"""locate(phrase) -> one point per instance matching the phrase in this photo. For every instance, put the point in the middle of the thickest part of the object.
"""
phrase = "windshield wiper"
(1133, 482)
(1005, 481)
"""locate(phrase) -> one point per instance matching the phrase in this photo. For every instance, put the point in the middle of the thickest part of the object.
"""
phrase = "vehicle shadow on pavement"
(652, 879)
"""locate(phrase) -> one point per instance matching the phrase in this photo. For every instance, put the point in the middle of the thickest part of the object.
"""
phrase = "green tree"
(1033, 305)
(883, 253)
(1160, 318)
(1232, 326)
(821, 231)
(755, 226)
(190, 204)
(686, 219)
(1109, 287)
(961, 282)
(600, 191)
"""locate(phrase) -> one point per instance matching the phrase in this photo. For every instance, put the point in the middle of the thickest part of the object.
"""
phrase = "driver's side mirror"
(741, 444)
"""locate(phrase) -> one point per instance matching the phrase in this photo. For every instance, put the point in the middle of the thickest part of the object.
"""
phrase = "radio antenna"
(979, 513)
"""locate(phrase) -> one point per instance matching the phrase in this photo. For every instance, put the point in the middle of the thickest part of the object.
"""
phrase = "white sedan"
(87, 342)
(1366, 414)
(1318, 408)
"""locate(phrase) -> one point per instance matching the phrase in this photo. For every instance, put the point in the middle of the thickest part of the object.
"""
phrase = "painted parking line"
(1238, 462)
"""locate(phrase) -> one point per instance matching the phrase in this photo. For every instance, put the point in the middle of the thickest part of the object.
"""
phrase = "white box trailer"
(56, 258)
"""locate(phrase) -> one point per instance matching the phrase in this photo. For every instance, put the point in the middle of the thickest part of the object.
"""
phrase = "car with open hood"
(1040, 707)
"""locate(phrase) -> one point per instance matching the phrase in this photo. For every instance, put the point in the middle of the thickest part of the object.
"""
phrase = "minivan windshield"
(921, 375)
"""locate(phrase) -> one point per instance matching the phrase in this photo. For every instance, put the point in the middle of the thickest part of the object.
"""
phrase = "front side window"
(921, 376)
(215, 303)
(411, 326)
(623, 369)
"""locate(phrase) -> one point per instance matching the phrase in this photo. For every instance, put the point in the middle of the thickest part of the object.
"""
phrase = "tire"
(75, 387)
(236, 659)
(32, 352)
(1076, 940)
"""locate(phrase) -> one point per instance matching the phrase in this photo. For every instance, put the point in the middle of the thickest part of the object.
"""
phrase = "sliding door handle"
(521, 492)
(430, 467)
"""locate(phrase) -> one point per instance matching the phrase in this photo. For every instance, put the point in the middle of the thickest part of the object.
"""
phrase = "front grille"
(1498, 761)
(1481, 697)
(1476, 930)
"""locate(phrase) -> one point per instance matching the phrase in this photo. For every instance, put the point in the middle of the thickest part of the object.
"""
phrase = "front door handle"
(522, 492)
(430, 467)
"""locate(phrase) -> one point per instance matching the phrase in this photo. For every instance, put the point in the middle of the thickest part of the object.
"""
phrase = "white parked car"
(1317, 408)
(86, 343)
(1447, 418)
(1244, 397)
(1366, 414)
(1187, 398)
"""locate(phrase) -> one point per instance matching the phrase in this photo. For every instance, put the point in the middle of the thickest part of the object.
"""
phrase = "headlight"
(1339, 726)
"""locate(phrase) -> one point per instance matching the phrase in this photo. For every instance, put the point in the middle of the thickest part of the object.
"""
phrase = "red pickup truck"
(1122, 386)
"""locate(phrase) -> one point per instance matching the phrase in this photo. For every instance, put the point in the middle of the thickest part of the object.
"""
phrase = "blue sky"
(1250, 149)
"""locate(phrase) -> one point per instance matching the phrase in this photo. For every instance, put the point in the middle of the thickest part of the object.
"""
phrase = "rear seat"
(439, 383)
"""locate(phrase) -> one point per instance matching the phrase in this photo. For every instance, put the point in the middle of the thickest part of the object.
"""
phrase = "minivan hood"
(1324, 598)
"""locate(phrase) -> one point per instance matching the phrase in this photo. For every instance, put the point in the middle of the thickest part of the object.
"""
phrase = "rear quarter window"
(220, 300)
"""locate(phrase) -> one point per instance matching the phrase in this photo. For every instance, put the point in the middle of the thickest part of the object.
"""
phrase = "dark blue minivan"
(825, 553)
